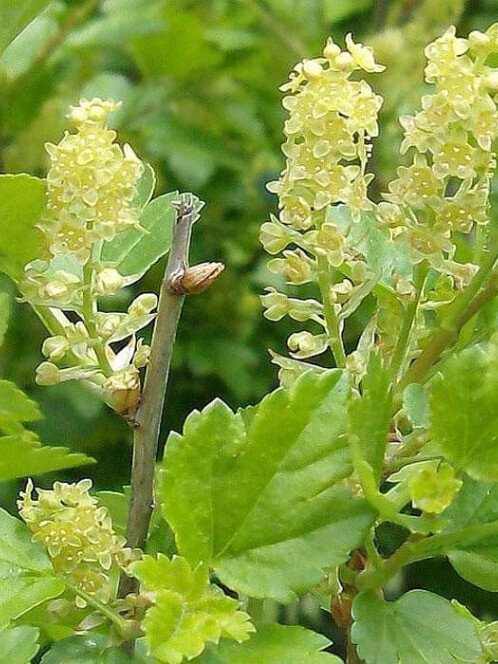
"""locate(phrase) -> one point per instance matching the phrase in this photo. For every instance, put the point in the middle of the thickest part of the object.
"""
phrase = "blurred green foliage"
(199, 84)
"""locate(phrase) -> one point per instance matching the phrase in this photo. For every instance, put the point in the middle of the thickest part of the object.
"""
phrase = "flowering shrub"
(289, 496)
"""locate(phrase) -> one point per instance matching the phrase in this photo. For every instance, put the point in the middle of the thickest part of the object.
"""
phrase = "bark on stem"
(148, 418)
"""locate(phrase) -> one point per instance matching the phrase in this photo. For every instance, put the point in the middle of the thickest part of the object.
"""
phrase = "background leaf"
(271, 644)
(4, 314)
(90, 649)
(15, 405)
(15, 16)
(270, 512)
(21, 452)
(417, 628)
(25, 456)
(26, 575)
(22, 201)
(464, 413)
(18, 645)
(476, 560)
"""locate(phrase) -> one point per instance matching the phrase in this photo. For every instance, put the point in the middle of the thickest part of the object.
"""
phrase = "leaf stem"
(121, 624)
(466, 305)
(409, 319)
(415, 549)
(331, 319)
(88, 314)
(148, 418)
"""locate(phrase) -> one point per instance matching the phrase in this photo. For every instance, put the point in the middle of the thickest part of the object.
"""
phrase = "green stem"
(372, 553)
(414, 550)
(331, 319)
(121, 624)
(409, 319)
(88, 314)
(462, 309)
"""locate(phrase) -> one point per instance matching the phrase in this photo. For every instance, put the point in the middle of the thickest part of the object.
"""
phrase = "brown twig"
(148, 418)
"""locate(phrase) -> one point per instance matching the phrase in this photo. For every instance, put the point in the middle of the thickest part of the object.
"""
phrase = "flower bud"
(108, 281)
(107, 324)
(123, 391)
(142, 354)
(48, 373)
(55, 347)
(304, 344)
(142, 305)
(276, 304)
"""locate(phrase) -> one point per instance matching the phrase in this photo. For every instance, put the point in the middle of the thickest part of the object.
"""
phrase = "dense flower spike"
(331, 119)
(446, 187)
(77, 534)
(91, 186)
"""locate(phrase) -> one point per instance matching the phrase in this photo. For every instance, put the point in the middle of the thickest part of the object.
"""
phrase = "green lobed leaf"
(260, 498)
(89, 649)
(26, 575)
(272, 644)
(370, 415)
(475, 558)
(134, 251)
(418, 628)
(188, 611)
(464, 413)
(24, 456)
(15, 16)
(15, 405)
(22, 202)
(18, 645)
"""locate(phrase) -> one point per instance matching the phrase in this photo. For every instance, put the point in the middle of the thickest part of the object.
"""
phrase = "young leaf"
(416, 405)
(464, 413)
(145, 187)
(23, 456)
(475, 558)
(90, 649)
(15, 16)
(26, 575)
(18, 645)
(259, 498)
(135, 250)
(22, 201)
(188, 611)
(271, 644)
(417, 628)
(370, 415)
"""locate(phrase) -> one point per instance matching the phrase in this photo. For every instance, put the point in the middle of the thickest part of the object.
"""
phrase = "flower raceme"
(327, 228)
(77, 534)
(91, 188)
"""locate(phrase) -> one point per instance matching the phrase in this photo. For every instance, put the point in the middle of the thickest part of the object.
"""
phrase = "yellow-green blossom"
(77, 534)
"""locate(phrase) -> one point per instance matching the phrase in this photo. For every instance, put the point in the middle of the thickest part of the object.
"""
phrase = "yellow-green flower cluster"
(331, 119)
(91, 186)
(77, 534)
(91, 183)
(445, 188)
